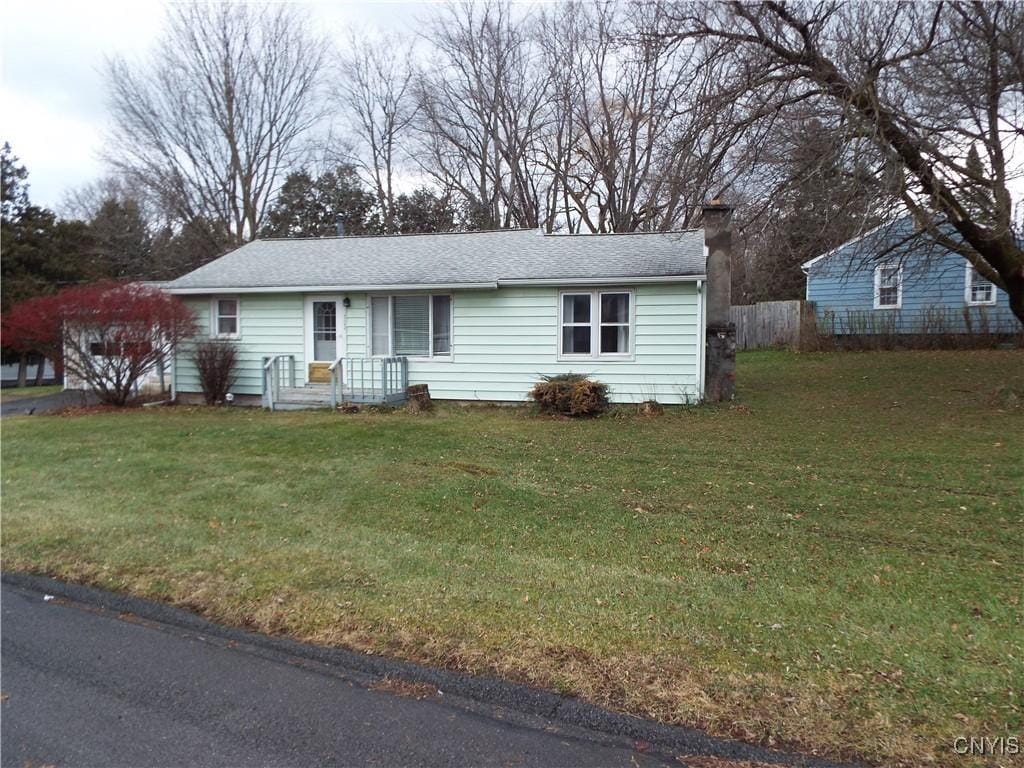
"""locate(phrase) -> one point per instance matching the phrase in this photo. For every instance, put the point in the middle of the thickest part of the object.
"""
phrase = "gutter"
(331, 288)
(570, 281)
(488, 286)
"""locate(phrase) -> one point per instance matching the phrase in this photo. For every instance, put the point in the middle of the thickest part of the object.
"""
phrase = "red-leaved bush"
(108, 334)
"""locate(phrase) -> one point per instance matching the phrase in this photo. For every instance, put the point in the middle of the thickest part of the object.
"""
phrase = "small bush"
(215, 363)
(570, 394)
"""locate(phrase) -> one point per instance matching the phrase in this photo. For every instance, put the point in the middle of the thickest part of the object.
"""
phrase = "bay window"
(411, 326)
(595, 324)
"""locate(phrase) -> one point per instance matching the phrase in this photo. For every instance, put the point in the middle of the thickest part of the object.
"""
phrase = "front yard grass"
(833, 562)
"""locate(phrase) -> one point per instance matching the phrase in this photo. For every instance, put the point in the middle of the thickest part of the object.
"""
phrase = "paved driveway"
(45, 403)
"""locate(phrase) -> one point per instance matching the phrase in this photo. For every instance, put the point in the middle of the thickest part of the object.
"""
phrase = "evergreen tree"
(308, 207)
(38, 253)
(121, 243)
(423, 210)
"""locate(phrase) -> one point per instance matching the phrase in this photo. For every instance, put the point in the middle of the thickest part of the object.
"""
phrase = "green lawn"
(17, 393)
(833, 562)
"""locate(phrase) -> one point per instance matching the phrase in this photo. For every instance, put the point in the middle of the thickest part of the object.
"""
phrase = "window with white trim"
(888, 286)
(417, 325)
(226, 316)
(595, 324)
(979, 290)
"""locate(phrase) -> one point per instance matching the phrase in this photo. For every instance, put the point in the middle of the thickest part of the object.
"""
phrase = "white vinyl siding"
(273, 325)
(503, 340)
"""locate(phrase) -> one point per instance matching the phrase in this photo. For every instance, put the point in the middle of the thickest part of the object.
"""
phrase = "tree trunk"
(1015, 291)
(22, 369)
(40, 371)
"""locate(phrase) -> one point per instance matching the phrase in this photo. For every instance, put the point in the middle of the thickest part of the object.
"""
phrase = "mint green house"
(475, 316)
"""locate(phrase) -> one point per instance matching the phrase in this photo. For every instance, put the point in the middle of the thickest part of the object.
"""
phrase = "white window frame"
(969, 294)
(595, 325)
(440, 357)
(899, 286)
(215, 317)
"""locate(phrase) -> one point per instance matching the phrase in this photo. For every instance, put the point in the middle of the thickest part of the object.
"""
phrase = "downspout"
(702, 338)
(174, 375)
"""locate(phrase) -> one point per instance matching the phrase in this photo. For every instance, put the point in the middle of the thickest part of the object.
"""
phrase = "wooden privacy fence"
(774, 324)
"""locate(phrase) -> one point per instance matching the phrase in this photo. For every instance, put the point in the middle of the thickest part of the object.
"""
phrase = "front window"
(225, 318)
(412, 326)
(888, 287)
(979, 289)
(596, 323)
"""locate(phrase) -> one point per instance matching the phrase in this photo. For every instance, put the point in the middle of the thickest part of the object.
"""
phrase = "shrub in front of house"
(215, 362)
(570, 394)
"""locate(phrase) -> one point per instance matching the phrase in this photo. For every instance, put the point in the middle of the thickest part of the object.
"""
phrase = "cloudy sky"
(51, 85)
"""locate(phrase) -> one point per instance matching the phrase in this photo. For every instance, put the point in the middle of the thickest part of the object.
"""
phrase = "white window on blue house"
(888, 286)
(595, 324)
(226, 316)
(411, 326)
(978, 291)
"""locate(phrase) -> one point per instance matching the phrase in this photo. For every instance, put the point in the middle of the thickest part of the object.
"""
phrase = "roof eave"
(485, 286)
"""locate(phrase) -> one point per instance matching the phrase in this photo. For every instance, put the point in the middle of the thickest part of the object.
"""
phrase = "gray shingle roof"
(448, 259)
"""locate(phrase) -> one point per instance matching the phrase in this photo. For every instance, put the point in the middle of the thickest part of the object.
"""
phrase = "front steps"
(304, 398)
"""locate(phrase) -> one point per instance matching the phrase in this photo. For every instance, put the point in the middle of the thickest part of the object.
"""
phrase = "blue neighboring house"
(889, 280)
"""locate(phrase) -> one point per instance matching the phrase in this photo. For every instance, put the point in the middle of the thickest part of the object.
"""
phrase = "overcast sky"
(51, 88)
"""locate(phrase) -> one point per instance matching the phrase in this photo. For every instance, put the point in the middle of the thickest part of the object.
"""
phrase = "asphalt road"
(85, 686)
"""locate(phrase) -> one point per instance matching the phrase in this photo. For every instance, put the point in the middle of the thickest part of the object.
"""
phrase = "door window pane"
(379, 328)
(411, 319)
(442, 306)
(325, 331)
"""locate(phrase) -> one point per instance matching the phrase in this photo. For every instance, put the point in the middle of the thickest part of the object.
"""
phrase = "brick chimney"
(720, 351)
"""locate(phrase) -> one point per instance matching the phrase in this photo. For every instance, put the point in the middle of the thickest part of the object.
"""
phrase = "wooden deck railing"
(369, 379)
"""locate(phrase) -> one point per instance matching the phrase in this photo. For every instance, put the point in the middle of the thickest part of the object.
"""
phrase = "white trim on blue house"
(878, 286)
(968, 285)
(811, 262)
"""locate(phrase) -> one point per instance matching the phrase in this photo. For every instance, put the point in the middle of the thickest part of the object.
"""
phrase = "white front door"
(324, 329)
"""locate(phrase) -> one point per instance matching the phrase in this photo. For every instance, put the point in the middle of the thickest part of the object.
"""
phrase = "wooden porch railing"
(369, 379)
(278, 371)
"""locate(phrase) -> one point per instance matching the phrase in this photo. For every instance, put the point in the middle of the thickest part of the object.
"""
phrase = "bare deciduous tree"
(213, 121)
(932, 93)
(480, 112)
(375, 91)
